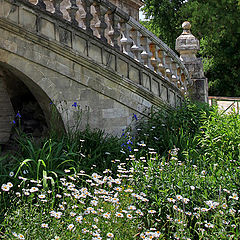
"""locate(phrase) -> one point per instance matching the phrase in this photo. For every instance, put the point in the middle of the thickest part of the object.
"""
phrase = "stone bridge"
(86, 57)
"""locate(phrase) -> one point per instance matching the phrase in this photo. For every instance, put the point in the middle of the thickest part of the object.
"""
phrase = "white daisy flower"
(70, 227)
(5, 188)
(44, 225)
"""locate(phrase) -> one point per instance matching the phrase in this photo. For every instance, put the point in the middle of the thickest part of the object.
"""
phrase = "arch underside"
(23, 103)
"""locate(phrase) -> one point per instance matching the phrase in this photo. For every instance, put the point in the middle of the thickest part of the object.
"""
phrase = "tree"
(165, 18)
(217, 24)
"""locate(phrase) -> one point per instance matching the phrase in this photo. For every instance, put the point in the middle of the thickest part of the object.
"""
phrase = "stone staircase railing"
(111, 25)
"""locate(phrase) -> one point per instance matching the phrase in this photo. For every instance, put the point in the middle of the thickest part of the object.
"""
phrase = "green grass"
(176, 178)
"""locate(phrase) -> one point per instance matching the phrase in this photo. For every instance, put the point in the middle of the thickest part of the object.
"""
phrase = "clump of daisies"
(97, 206)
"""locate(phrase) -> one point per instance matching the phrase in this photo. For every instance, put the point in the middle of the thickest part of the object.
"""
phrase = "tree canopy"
(216, 23)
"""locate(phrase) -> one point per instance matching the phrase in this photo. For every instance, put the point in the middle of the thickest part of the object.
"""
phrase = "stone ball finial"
(186, 27)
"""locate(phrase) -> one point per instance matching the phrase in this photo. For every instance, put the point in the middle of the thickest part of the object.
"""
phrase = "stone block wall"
(6, 112)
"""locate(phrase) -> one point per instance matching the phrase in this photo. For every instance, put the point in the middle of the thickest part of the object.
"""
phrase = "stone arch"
(19, 80)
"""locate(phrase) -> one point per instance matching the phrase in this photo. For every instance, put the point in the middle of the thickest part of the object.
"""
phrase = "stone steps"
(6, 114)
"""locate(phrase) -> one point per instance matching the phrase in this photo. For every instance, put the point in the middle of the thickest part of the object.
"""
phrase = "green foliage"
(83, 149)
(167, 130)
(79, 212)
(187, 196)
(165, 17)
(5, 167)
(189, 190)
(216, 23)
(220, 136)
(97, 148)
(203, 168)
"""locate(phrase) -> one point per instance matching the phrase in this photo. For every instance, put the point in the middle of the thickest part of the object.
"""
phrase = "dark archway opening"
(29, 116)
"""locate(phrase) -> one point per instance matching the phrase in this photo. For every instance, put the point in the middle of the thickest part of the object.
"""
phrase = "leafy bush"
(83, 150)
(165, 130)
(220, 135)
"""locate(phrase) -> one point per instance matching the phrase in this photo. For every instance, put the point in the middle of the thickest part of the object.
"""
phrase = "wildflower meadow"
(175, 175)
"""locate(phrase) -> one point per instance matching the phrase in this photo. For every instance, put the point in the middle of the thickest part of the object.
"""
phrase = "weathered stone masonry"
(91, 53)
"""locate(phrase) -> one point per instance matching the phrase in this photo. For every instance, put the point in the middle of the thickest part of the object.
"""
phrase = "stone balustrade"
(111, 25)
(93, 53)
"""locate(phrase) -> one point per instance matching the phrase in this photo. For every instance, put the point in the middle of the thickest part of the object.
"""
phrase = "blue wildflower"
(130, 149)
(13, 122)
(74, 104)
(18, 115)
(135, 116)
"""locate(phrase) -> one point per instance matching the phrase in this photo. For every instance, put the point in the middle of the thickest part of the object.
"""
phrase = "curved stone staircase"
(119, 61)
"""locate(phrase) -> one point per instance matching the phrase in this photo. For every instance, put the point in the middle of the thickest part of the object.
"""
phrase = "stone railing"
(112, 26)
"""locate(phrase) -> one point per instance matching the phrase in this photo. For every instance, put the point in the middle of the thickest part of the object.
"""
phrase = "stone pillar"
(188, 46)
(6, 112)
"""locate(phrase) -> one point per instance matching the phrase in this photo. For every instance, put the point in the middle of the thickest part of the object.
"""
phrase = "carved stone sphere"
(186, 25)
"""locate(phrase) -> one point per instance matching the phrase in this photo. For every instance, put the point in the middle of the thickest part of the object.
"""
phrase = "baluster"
(146, 54)
(179, 73)
(101, 24)
(168, 62)
(155, 59)
(113, 32)
(174, 71)
(179, 84)
(72, 12)
(184, 83)
(174, 79)
(56, 4)
(136, 48)
(183, 90)
(88, 16)
(126, 41)
(161, 65)
(41, 4)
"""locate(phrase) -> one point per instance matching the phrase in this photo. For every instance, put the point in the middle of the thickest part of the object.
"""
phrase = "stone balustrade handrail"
(111, 25)
(135, 24)
(162, 46)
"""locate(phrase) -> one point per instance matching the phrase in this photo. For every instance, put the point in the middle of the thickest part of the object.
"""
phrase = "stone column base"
(199, 90)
